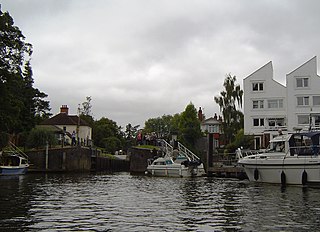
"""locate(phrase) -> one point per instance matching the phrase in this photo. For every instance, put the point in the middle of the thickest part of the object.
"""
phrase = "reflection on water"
(122, 202)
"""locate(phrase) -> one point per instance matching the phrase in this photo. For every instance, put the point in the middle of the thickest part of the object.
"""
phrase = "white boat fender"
(283, 178)
(304, 177)
(256, 174)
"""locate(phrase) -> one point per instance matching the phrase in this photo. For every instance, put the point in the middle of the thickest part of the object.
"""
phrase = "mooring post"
(47, 155)
(210, 153)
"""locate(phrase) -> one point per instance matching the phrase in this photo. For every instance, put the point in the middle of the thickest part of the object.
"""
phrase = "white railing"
(243, 153)
(185, 151)
(167, 149)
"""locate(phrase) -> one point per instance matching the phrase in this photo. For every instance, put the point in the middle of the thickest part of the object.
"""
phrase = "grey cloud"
(145, 58)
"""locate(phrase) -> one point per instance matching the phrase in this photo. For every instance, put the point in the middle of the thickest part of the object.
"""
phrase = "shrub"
(39, 137)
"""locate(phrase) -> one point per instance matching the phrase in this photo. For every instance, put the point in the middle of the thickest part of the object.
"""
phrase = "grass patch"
(151, 147)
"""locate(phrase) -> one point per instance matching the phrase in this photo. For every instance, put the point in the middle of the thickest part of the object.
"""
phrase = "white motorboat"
(183, 164)
(291, 159)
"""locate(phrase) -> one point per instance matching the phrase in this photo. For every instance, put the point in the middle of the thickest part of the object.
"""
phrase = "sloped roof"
(64, 119)
(211, 120)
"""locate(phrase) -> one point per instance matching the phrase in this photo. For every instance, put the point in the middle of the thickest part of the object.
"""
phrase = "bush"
(112, 144)
(39, 137)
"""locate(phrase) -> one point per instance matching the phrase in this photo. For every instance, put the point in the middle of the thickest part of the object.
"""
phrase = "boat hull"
(176, 171)
(4, 171)
(295, 171)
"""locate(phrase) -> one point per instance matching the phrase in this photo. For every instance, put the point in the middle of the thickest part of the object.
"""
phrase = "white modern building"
(270, 107)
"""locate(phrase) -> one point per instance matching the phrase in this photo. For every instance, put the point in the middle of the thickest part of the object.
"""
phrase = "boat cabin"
(304, 143)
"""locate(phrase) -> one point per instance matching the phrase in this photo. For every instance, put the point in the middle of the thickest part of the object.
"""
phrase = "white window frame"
(276, 122)
(316, 100)
(257, 86)
(302, 82)
(260, 122)
(275, 103)
(257, 104)
(303, 119)
(303, 101)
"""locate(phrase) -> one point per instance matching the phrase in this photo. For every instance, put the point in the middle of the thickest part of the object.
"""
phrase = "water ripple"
(124, 202)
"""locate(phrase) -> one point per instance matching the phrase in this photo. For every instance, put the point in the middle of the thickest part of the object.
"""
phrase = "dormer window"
(302, 82)
(257, 86)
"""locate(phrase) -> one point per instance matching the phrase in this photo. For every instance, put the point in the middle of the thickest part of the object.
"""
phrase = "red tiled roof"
(64, 119)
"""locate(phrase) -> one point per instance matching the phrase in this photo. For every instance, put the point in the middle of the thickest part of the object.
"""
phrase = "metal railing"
(167, 149)
(185, 151)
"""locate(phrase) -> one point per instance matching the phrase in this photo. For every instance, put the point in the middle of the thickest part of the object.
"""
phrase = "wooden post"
(210, 153)
(47, 155)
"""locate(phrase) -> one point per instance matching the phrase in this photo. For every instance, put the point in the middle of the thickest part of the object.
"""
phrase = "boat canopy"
(313, 136)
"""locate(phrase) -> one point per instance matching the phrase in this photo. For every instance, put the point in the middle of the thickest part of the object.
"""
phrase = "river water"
(124, 202)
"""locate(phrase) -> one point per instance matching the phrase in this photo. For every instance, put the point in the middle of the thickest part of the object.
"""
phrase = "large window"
(302, 82)
(257, 104)
(212, 128)
(275, 103)
(316, 100)
(258, 122)
(257, 86)
(302, 101)
(303, 119)
(275, 122)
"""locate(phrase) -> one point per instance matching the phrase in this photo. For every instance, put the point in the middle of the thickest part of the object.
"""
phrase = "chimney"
(64, 109)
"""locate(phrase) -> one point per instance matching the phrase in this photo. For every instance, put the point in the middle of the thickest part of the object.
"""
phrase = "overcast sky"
(141, 59)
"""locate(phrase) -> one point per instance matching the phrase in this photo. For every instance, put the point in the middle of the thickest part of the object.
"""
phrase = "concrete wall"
(62, 159)
(74, 159)
(139, 159)
(111, 165)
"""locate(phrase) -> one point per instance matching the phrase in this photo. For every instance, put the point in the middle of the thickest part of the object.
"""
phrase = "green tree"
(86, 106)
(228, 101)
(241, 140)
(161, 126)
(105, 128)
(21, 104)
(86, 111)
(130, 135)
(112, 144)
(38, 137)
(189, 127)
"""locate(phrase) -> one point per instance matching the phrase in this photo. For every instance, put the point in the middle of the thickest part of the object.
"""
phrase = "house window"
(273, 122)
(316, 100)
(212, 128)
(257, 143)
(257, 86)
(258, 122)
(216, 143)
(317, 120)
(302, 82)
(257, 104)
(275, 104)
(303, 101)
(303, 119)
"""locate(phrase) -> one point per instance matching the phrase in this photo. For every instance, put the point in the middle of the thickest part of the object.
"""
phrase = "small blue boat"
(13, 162)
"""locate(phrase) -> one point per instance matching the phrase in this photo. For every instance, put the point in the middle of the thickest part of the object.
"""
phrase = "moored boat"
(13, 162)
(179, 162)
(298, 163)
